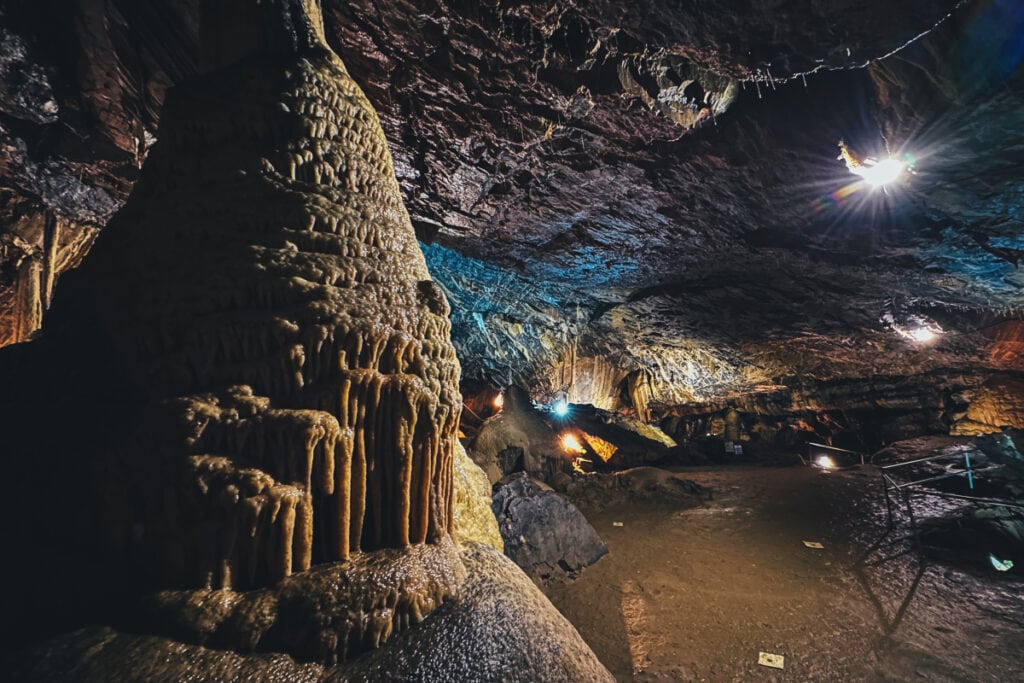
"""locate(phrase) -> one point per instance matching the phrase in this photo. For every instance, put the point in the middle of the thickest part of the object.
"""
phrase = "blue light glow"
(561, 409)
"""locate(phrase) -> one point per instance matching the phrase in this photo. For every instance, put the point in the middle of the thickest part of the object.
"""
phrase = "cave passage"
(546, 342)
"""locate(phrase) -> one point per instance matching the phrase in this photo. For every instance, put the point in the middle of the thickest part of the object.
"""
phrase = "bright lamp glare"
(825, 462)
(571, 444)
(561, 409)
(921, 334)
(882, 173)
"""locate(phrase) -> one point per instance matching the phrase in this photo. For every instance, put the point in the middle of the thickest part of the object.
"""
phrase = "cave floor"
(695, 594)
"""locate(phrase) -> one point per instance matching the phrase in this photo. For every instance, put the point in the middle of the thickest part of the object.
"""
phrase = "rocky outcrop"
(518, 439)
(474, 519)
(996, 406)
(499, 628)
(543, 532)
(617, 442)
(858, 413)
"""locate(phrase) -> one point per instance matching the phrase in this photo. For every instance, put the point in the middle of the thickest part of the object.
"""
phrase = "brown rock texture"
(608, 191)
(499, 628)
(997, 405)
(262, 301)
(474, 521)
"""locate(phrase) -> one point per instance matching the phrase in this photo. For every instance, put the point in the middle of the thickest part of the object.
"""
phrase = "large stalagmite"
(280, 389)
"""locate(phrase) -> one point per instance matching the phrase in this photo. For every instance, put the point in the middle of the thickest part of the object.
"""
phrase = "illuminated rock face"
(577, 217)
(997, 405)
(263, 294)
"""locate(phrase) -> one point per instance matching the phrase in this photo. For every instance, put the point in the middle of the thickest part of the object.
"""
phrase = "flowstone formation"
(287, 392)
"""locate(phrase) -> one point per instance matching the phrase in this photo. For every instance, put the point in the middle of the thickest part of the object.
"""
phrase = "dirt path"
(695, 594)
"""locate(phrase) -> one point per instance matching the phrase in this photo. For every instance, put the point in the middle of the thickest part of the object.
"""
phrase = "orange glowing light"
(499, 400)
(571, 444)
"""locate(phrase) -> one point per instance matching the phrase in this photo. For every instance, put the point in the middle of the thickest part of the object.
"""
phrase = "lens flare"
(919, 334)
(825, 462)
(561, 408)
(873, 172)
(881, 173)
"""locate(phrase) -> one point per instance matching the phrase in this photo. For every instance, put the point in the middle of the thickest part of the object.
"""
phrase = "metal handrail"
(812, 446)
(833, 448)
(928, 459)
(965, 473)
(908, 487)
(974, 499)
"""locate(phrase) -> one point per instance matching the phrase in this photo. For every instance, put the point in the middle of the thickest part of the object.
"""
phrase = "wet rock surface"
(474, 519)
(544, 533)
(499, 628)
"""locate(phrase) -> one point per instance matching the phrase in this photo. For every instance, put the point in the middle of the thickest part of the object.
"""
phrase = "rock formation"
(996, 405)
(260, 403)
(263, 299)
(499, 628)
(544, 533)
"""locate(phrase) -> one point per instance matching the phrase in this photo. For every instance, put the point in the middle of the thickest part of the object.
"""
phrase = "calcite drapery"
(263, 294)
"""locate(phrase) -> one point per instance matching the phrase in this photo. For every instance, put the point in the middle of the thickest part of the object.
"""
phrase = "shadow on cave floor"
(695, 594)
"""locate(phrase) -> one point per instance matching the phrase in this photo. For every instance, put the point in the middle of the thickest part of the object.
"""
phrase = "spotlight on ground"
(825, 462)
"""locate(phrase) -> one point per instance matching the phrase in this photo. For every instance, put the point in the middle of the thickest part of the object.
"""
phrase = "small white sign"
(770, 660)
(616, 523)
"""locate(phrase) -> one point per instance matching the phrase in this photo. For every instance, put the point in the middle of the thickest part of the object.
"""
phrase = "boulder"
(620, 441)
(1000, 447)
(544, 533)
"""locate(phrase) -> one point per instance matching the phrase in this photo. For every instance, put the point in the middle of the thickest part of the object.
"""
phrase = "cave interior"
(526, 341)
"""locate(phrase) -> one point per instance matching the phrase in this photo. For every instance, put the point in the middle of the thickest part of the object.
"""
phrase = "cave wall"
(581, 198)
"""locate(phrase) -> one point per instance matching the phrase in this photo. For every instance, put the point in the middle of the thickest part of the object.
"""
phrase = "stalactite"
(28, 299)
(51, 241)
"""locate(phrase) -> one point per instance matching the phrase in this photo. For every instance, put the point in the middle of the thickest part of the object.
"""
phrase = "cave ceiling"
(654, 184)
